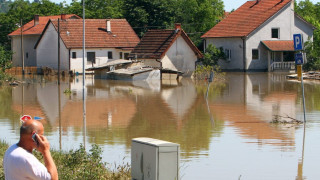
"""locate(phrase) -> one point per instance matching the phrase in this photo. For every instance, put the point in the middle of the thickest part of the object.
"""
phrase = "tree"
(212, 55)
(149, 14)
(198, 16)
(5, 59)
(311, 13)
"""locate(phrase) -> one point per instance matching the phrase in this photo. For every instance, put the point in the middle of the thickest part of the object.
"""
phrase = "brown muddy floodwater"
(226, 136)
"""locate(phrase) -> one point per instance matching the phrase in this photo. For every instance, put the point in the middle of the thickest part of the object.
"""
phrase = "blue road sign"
(298, 58)
(298, 42)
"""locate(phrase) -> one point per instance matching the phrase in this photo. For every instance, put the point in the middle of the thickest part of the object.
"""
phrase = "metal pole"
(84, 76)
(21, 30)
(304, 105)
(58, 51)
(60, 126)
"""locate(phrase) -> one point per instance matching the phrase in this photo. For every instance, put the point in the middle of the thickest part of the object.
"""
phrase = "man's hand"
(44, 145)
(44, 149)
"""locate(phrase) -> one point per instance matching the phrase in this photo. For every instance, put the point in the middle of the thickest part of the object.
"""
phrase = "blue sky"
(229, 4)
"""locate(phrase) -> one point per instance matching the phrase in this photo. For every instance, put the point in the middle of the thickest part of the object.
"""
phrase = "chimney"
(108, 26)
(36, 20)
(177, 26)
(63, 17)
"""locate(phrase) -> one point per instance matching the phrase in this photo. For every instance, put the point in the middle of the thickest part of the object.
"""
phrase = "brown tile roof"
(246, 18)
(31, 29)
(122, 35)
(155, 43)
(279, 45)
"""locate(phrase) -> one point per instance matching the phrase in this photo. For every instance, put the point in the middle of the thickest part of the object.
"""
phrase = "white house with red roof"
(258, 36)
(31, 32)
(106, 40)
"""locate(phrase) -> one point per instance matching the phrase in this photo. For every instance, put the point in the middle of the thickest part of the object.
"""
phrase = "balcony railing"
(282, 66)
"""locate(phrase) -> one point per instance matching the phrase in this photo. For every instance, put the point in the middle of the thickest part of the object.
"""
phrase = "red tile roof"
(155, 43)
(279, 45)
(31, 29)
(122, 35)
(246, 18)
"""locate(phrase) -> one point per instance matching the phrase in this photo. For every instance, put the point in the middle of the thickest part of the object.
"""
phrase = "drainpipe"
(159, 61)
(244, 53)
(69, 59)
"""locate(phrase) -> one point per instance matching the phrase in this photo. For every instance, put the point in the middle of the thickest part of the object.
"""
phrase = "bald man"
(20, 163)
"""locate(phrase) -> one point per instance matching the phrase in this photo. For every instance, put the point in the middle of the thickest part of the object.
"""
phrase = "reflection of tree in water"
(312, 96)
(6, 102)
(216, 89)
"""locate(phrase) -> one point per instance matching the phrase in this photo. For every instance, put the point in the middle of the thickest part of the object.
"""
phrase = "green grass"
(79, 164)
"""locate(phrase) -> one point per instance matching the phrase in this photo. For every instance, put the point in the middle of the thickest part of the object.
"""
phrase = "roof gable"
(246, 18)
(155, 43)
(31, 29)
(121, 36)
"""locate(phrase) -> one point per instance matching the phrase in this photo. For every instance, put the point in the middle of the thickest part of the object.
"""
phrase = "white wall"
(28, 45)
(47, 51)
(303, 28)
(236, 47)
(284, 20)
(180, 57)
(101, 57)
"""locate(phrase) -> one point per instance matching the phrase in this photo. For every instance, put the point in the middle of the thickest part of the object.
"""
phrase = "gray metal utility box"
(153, 159)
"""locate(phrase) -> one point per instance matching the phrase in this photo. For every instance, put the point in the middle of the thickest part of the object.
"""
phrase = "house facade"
(167, 49)
(258, 36)
(106, 40)
(31, 32)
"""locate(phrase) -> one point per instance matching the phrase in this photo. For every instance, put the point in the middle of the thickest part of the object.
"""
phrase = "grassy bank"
(78, 164)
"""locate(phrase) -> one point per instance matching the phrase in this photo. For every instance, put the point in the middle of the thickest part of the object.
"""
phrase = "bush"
(78, 164)
(203, 73)
(213, 55)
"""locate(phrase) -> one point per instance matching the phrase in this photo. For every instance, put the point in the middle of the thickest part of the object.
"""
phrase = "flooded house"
(30, 32)
(170, 50)
(107, 40)
(258, 36)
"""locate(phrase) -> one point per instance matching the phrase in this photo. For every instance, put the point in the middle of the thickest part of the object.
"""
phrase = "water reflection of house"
(249, 103)
(176, 100)
(100, 113)
(25, 101)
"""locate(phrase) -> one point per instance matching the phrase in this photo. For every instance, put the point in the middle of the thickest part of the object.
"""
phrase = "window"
(91, 57)
(120, 55)
(126, 56)
(74, 55)
(110, 55)
(275, 33)
(27, 55)
(227, 52)
(255, 54)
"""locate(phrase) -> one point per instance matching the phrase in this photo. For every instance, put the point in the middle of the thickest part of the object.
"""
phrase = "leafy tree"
(311, 13)
(5, 61)
(144, 14)
(198, 16)
(75, 7)
(212, 55)
(102, 9)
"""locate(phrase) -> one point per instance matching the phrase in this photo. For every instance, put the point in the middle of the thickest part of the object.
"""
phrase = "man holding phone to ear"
(20, 163)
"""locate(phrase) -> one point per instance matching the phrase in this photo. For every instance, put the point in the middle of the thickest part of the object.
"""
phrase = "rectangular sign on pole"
(298, 42)
(299, 71)
(298, 58)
